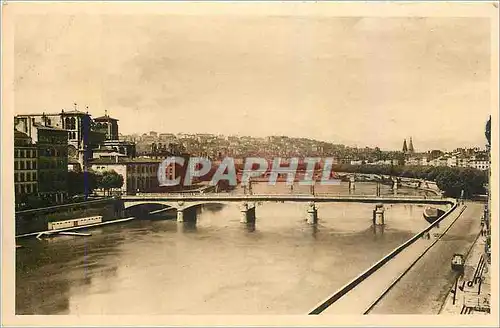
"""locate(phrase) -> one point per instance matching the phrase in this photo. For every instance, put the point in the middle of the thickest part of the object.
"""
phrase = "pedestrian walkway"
(361, 298)
(473, 288)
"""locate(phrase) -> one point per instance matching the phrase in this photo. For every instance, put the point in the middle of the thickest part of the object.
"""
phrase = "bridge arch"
(177, 205)
(134, 204)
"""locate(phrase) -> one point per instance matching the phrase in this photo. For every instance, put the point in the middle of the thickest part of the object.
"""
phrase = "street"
(423, 289)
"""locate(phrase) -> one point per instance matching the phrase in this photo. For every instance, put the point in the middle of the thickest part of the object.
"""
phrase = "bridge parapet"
(279, 197)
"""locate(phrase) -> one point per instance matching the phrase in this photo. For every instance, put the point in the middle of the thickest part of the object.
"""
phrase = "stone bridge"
(185, 204)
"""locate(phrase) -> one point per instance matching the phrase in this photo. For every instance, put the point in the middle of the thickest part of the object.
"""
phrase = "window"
(16, 177)
(21, 177)
(28, 165)
(34, 165)
(21, 163)
(16, 153)
(16, 165)
(28, 189)
(34, 176)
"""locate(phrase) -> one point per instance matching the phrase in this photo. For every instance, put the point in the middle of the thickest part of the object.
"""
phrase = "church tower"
(410, 148)
(405, 148)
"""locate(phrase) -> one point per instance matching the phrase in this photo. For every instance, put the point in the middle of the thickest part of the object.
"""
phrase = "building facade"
(52, 148)
(139, 174)
(79, 126)
(25, 167)
(108, 125)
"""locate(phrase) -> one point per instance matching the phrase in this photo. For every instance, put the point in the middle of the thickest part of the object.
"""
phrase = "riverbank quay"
(36, 220)
(424, 288)
(471, 293)
(373, 284)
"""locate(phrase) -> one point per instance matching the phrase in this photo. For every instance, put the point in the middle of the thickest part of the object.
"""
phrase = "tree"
(79, 182)
(110, 180)
(487, 131)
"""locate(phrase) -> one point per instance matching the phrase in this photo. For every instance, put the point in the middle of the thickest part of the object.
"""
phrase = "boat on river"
(80, 222)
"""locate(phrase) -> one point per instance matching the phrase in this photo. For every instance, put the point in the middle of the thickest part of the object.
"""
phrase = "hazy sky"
(359, 81)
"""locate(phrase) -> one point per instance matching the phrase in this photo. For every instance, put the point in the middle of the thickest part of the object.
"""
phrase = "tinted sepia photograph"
(221, 159)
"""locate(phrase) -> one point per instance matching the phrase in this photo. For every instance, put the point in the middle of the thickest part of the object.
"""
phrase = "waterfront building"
(25, 167)
(81, 139)
(52, 147)
(139, 174)
(50, 159)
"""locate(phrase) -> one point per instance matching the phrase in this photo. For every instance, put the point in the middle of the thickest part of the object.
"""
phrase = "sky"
(365, 81)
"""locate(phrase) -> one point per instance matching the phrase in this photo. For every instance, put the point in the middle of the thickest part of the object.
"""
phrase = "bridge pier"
(352, 185)
(312, 213)
(247, 213)
(180, 215)
(395, 186)
(186, 214)
(378, 215)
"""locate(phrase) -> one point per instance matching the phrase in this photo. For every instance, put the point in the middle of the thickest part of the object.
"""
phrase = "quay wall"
(367, 273)
(29, 221)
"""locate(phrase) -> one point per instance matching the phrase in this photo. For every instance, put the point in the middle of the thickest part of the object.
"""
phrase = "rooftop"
(118, 142)
(73, 112)
(44, 127)
(62, 112)
(110, 154)
(20, 135)
(105, 118)
(121, 160)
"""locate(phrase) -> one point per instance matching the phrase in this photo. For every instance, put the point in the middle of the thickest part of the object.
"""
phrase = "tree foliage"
(81, 182)
(110, 180)
(451, 180)
(487, 131)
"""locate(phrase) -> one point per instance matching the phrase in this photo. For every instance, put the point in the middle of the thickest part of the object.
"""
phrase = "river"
(284, 266)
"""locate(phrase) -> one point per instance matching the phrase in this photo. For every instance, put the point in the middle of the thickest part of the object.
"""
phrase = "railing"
(277, 196)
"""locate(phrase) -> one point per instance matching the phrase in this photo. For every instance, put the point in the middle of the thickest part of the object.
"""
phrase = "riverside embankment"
(361, 293)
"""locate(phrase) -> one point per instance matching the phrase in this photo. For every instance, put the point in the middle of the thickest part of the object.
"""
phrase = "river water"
(218, 266)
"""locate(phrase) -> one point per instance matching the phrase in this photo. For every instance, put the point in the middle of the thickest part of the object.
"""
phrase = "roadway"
(424, 288)
(288, 197)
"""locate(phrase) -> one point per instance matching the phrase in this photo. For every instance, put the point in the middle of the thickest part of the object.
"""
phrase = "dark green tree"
(77, 181)
(487, 131)
(110, 180)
